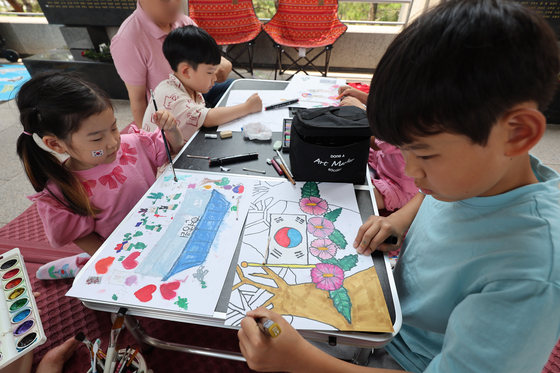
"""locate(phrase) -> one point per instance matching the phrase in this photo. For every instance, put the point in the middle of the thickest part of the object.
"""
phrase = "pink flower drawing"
(313, 205)
(323, 248)
(320, 227)
(327, 276)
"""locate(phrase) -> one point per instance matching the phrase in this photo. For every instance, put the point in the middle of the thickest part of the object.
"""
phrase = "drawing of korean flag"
(288, 243)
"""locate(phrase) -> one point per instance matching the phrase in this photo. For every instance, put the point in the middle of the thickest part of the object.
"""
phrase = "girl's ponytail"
(56, 104)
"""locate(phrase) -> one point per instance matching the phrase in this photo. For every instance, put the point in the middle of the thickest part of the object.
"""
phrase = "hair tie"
(27, 133)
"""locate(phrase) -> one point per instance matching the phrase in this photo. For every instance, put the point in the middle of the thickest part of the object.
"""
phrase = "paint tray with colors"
(21, 328)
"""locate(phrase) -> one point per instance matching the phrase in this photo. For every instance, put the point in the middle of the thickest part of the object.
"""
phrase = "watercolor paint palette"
(20, 325)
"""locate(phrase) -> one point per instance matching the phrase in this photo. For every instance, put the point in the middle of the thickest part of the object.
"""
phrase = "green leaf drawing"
(346, 263)
(338, 239)
(182, 303)
(115, 297)
(333, 215)
(138, 234)
(310, 189)
(155, 197)
(342, 303)
(224, 182)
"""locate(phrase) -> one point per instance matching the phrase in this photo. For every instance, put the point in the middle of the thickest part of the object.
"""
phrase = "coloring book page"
(315, 91)
(297, 259)
(174, 251)
(273, 119)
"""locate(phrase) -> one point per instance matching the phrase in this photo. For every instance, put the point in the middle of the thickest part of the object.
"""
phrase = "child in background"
(393, 189)
(194, 57)
(460, 91)
(84, 198)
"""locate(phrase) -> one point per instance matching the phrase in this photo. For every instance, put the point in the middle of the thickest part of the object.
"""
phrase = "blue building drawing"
(190, 236)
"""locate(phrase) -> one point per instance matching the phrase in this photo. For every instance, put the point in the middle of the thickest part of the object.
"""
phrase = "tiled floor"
(14, 185)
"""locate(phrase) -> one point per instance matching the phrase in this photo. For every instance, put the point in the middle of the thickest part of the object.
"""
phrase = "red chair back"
(228, 21)
(305, 23)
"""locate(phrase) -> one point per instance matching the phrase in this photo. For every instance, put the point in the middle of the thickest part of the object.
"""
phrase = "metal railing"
(402, 20)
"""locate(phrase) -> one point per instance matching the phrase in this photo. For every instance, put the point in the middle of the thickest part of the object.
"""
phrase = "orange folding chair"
(304, 25)
(231, 23)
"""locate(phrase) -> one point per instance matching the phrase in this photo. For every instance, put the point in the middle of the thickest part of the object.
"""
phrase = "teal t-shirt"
(479, 282)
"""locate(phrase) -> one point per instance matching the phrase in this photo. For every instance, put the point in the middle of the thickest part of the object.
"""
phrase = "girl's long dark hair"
(56, 104)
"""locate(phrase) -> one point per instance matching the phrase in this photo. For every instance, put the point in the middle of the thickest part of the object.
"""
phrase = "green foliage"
(346, 11)
(338, 239)
(346, 263)
(369, 12)
(342, 303)
(333, 215)
(310, 189)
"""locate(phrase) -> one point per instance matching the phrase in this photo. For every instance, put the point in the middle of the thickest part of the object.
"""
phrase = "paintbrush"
(165, 140)
(95, 350)
(82, 338)
(123, 358)
(115, 330)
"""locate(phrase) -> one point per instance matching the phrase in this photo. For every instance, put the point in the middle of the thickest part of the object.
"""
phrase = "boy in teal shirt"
(460, 92)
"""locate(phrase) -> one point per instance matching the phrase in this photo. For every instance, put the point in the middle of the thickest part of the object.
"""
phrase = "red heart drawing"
(145, 294)
(102, 265)
(130, 262)
(168, 290)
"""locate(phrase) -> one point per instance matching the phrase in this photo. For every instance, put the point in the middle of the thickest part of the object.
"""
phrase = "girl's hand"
(372, 234)
(351, 101)
(343, 88)
(254, 103)
(267, 354)
(346, 91)
(165, 120)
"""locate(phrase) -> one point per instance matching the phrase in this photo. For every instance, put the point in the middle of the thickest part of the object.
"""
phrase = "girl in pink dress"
(83, 198)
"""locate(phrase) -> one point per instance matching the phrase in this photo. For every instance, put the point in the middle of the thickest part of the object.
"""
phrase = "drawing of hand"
(267, 354)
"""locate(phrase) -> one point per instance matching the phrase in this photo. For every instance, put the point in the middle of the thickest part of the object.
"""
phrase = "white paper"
(174, 250)
(291, 233)
(315, 91)
(274, 119)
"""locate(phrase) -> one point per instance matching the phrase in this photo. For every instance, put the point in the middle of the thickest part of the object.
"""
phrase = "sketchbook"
(297, 259)
(173, 251)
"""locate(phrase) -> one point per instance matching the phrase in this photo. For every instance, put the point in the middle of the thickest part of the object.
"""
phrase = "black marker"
(233, 159)
(282, 104)
(391, 240)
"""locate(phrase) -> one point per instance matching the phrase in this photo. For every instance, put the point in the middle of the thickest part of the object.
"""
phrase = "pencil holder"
(139, 364)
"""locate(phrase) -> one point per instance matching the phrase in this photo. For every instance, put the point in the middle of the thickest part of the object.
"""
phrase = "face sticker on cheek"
(97, 153)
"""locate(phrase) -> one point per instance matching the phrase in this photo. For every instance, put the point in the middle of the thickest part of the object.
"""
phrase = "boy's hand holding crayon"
(254, 103)
(267, 354)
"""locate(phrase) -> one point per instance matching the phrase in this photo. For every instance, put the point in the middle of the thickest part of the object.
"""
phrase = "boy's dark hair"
(459, 68)
(192, 45)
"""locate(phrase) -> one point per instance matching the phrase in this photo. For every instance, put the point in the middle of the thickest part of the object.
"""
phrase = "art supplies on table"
(281, 104)
(330, 144)
(220, 161)
(286, 133)
(314, 91)
(296, 258)
(172, 252)
(294, 110)
(20, 323)
(271, 118)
